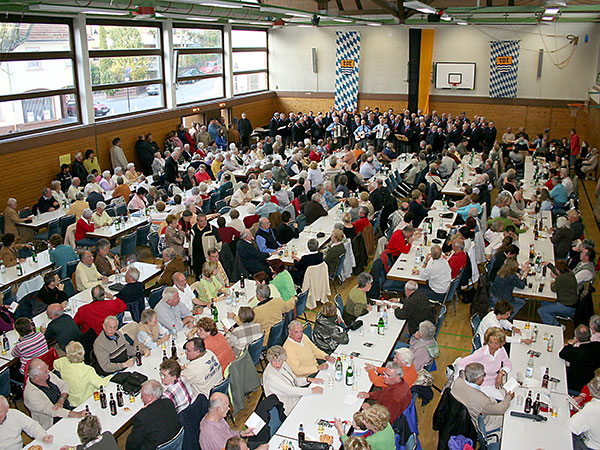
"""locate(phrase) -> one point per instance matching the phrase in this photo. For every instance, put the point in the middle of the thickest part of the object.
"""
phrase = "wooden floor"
(454, 338)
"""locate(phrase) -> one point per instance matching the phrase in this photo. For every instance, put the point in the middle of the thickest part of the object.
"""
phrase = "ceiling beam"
(358, 5)
(401, 11)
(385, 5)
(340, 5)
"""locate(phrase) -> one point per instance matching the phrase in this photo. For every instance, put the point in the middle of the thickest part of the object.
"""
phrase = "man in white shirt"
(438, 274)
(13, 422)
(584, 424)
(74, 189)
(186, 295)
(203, 371)
(498, 317)
(171, 313)
(566, 181)
(241, 196)
(367, 169)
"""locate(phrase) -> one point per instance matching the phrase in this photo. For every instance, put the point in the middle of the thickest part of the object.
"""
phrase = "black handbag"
(131, 382)
(314, 445)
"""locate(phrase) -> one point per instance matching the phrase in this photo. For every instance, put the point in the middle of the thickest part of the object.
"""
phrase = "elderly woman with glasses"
(279, 379)
(82, 379)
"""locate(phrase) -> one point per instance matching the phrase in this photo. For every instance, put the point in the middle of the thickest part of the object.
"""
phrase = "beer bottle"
(113, 405)
(173, 350)
(102, 398)
(528, 402)
(138, 356)
(119, 397)
(546, 378)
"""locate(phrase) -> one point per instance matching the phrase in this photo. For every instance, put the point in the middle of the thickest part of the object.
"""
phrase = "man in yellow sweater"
(302, 354)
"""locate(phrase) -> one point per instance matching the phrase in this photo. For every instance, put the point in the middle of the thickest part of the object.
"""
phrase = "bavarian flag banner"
(504, 65)
(347, 57)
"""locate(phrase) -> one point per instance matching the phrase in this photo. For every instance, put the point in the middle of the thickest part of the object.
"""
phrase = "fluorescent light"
(461, 22)
(298, 14)
(184, 17)
(446, 18)
(76, 9)
(339, 19)
(304, 26)
(219, 4)
(548, 18)
(249, 23)
(551, 11)
(420, 6)
(374, 24)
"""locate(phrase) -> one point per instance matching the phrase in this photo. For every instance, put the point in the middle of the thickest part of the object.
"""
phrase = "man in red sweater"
(363, 220)
(401, 241)
(93, 314)
(458, 259)
(396, 396)
(574, 146)
(84, 226)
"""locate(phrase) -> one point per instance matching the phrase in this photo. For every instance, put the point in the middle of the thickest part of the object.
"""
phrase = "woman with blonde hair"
(82, 379)
(357, 443)
(315, 175)
(208, 287)
(493, 357)
(353, 208)
(508, 279)
(377, 419)
(349, 230)
(364, 201)
(206, 329)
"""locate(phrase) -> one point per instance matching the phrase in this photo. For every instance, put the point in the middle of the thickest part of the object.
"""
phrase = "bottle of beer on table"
(102, 398)
(173, 350)
(546, 378)
(528, 402)
(113, 405)
(138, 356)
(301, 435)
(119, 397)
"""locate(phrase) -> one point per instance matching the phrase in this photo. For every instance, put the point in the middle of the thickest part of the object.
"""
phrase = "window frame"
(116, 53)
(38, 56)
(251, 49)
(199, 51)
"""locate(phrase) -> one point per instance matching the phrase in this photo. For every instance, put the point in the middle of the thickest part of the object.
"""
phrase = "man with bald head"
(112, 350)
(214, 430)
(13, 422)
(46, 395)
(156, 423)
(61, 327)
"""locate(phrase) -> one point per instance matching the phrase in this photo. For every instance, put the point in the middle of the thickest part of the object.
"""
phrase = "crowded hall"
(245, 231)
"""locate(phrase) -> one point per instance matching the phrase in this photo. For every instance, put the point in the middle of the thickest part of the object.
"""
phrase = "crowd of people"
(218, 228)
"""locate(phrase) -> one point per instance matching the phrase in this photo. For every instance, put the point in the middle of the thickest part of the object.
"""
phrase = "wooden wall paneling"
(259, 112)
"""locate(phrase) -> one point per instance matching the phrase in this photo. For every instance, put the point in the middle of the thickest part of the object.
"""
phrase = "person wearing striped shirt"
(31, 343)
(177, 388)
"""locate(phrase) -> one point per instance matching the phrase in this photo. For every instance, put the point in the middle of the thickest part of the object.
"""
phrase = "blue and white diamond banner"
(347, 57)
(504, 66)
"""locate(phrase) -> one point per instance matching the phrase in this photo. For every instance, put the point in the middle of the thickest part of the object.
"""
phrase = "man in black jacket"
(156, 423)
(78, 169)
(172, 168)
(52, 290)
(244, 127)
(416, 307)
(287, 230)
(145, 152)
(47, 202)
(583, 357)
(312, 258)
(62, 327)
(253, 260)
(133, 293)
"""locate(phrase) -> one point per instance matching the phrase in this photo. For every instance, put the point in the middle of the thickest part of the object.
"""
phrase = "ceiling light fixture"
(184, 17)
(218, 4)
(341, 20)
(420, 6)
(374, 24)
(446, 18)
(551, 11)
(76, 9)
(298, 14)
(548, 18)
(461, 22)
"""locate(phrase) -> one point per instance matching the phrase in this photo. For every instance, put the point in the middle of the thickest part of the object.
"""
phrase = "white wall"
(383, 59)
(384, 56)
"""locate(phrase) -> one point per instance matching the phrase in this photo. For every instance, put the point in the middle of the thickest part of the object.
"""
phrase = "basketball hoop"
(575, 107)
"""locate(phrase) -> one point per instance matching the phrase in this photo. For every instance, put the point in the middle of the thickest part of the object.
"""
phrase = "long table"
(321, 225)
(110, 232)
(147, 272)
(542, 246)
(338, 399)
(525, 434)
(405, 264)
(42, 220)
(30, 269)
(453, 186)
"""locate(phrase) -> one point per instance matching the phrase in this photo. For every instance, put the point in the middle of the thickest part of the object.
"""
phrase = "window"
(199, 63)
(126, 67)
(250, 64)
(37, 80)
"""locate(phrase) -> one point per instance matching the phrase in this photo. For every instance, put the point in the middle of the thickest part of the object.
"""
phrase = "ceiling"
(328, 12)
